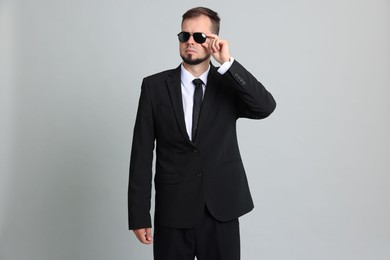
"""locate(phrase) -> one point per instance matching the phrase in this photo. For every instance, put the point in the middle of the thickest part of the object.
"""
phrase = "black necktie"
(198, 96)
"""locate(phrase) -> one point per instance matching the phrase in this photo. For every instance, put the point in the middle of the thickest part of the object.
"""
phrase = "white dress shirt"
(188, 89)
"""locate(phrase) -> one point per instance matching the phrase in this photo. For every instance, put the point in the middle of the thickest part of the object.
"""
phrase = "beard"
(190, 61)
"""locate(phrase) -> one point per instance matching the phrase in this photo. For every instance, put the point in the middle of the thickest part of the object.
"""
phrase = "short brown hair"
(198, 11)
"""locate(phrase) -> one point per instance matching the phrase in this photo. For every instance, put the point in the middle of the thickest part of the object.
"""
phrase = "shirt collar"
(187, 78)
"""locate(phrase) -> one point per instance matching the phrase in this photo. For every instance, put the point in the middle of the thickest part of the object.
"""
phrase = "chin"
(189, 59)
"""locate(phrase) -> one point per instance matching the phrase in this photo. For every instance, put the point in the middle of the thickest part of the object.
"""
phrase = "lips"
(190, 50)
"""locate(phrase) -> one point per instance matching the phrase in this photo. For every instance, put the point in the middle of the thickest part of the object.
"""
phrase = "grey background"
(70, 75)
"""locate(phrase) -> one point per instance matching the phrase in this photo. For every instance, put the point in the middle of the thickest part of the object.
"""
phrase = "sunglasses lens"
(183, 36)
(199, 37)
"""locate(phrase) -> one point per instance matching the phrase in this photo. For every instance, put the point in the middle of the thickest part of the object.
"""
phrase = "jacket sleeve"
(254, 101)
(140, 177)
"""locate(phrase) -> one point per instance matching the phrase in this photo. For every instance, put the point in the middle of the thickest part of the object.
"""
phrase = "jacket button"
(199, 174)
(196, 150)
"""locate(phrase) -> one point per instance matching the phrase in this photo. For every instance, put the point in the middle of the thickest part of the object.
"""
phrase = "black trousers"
(209, 240)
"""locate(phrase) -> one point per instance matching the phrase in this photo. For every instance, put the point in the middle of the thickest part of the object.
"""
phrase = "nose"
(191, 39)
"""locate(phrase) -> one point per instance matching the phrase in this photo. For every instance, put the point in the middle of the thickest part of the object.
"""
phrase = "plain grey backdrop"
(70, 75)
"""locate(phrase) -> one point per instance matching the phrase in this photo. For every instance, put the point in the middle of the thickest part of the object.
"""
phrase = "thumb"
(149, 234)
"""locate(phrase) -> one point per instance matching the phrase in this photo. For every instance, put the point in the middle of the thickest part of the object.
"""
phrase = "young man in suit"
(189, 115)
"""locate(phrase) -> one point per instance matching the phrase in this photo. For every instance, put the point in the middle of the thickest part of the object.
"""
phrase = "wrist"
(225, 66)
(225, 60)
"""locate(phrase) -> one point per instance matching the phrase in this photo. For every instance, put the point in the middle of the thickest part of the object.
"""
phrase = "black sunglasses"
(198, 37)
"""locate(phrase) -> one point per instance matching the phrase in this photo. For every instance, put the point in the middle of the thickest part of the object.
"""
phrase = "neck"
(197, 70)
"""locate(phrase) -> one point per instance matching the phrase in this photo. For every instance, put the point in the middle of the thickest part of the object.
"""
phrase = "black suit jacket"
(190, 175)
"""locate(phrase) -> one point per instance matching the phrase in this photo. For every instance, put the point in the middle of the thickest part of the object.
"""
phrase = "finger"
(218, 44)
(213, 45)
(213, 36)
(141, 236)
(208, 43)
(149, 235)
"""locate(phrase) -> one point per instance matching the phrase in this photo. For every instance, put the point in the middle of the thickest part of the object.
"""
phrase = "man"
(190, 113)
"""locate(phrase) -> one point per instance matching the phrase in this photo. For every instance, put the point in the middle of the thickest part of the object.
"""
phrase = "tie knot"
(197, 82)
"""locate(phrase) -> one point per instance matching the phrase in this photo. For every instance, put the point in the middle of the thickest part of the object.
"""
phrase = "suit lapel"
(211, 91)
(174, 89)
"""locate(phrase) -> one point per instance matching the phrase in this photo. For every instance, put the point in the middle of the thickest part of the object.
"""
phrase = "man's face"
(192, 52)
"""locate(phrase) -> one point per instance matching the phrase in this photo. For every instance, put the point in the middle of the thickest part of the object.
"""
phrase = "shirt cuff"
(226, 66)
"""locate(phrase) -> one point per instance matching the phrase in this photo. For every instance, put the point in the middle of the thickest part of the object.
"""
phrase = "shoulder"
(163, 75)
